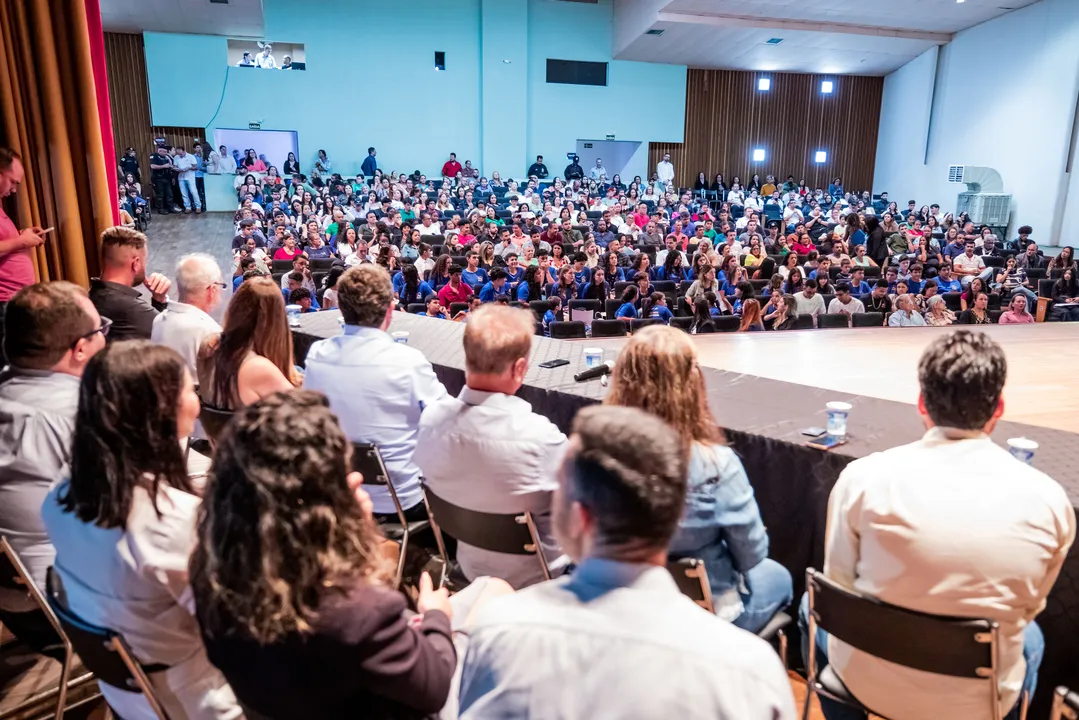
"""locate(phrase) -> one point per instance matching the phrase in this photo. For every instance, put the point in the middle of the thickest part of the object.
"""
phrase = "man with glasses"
(115, 294)
(186, 323)
(52, 332)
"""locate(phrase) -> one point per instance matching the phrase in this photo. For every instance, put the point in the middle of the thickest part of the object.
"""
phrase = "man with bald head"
(486, 450)
(186, 323)
(16, 263)
(115, 293)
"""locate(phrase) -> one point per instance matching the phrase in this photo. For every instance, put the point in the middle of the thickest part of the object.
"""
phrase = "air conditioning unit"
(985, 202)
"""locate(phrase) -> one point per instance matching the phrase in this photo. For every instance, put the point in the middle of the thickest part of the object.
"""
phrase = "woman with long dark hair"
(412, 289)
(1066, 291)
(566, 287)
(291, 166)
(658, 372)
(702, 317)
(123, 526)
(289, 578)
(655, 307)
(609, 263)
(795, 281)
(627, 311)
(700, 188)
(596, 288)
(252, 356)
(672, 269)
(531, 286)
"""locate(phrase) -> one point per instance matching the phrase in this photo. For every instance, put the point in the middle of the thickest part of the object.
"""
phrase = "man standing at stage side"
(16, 264)
(983, 535)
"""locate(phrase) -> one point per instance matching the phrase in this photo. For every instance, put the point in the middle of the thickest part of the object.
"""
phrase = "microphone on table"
(600, 370)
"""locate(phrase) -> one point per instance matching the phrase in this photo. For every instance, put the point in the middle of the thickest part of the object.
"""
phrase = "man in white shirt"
(844, 303)
(428, 226)
(378, 388)
(809, 301)
(792, 216)
(185, 171)
(486, 450)
(754, 202)
(265, 58)
(226, 164)
(968, 265)
(616, 639)
(665, 170)
(184, 324)
(952, 525)
(906, 314)
(670, 245)
(598, 173)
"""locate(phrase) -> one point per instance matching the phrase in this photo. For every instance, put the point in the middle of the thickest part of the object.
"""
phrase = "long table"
(762, 420)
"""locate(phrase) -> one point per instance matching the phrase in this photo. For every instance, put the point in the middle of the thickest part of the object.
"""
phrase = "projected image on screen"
(266, 55)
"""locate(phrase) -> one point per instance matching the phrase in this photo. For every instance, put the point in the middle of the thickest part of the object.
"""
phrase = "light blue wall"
(371, 81)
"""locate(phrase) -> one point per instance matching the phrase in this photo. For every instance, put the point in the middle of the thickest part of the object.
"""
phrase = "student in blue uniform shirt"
(858, 285)
(495, 286)
(552, 315)
(598, 289)
(473, 274)
(531, 287)
(514, 272)
(566, 287)
(581, 273)
(655, 306)
(628, 310)
(644, 286)
(672, 268)
(434, 308)
(409, 287)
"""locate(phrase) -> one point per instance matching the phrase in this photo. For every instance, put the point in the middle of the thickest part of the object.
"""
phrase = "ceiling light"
(758, 155)
(764, 84)
(827, 87)
(821, 157)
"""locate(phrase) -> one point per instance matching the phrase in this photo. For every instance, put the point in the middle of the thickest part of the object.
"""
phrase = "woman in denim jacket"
(657, 371)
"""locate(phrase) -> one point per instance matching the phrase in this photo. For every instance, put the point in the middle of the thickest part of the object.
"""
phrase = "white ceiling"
(849, 37)
(238, 18)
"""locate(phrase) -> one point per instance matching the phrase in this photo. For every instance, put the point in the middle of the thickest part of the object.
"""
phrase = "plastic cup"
(593, 357)
(293, 312)
(1022, 449)
(837, 418)
(400, 336)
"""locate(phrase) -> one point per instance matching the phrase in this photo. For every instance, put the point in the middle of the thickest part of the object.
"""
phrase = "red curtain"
(101, 83)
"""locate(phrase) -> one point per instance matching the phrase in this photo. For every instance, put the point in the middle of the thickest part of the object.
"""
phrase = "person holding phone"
(16, 263)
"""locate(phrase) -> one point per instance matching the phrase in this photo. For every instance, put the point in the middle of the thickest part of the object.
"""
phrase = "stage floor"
(1042, 387)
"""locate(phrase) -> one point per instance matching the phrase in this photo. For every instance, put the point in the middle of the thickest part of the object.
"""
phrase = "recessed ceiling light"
(758, 155)
(764, 84)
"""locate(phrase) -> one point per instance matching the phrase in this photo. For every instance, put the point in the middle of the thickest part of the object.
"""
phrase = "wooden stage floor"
(1043, 359)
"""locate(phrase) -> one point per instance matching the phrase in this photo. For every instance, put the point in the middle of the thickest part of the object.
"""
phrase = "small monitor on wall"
(265, 55)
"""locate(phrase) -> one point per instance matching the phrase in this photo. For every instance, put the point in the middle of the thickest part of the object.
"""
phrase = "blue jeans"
(190, 192)
(770, 590)
(1033, 650)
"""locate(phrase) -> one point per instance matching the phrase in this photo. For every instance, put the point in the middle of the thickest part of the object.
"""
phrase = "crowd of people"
(774, 255)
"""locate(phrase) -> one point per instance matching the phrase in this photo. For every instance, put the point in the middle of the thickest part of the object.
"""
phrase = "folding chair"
(682, 323)
(214, 420)
(832, 320)
(727, 323)
(608, 328)
(15, 577)
(567, 330)
(416, 308)
(691, 577)
(510, 533)
(1065, 705)
(803, 322)
(867, 319)
(104, 652)
(957, 647)
(367, 460)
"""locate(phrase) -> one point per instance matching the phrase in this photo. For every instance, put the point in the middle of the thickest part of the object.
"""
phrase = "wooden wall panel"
(129, 96)
(727, 117)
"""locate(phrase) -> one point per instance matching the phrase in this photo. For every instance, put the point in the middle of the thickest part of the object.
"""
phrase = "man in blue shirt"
(946, 283)
(552, 315)
(473, 275)
(858, 285)
(915, 282)
(369, 163)
(514, 272)
(955, 248)
(891, 276)
(295, 281)
(581, 273)
(495, 287)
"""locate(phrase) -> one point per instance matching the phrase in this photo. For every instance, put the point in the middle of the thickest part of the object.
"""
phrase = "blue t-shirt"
(513, 278)
(582, 276)
(422, 291)
(861, 288)
(626, 311)
(548, 318)
(858, 238)
(662, 312)
(314, 301)
(322, 252)
(946, 286)
(489, 292)
(472, 279)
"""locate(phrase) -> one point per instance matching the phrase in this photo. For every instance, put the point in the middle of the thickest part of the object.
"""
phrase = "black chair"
(691, 577)
(827, 298)
(320, 264)
(957, 647)
(727, 323)
(510, 533)
(608, 328)
(664, 286)
(538, 329)
(1037, 274)
(367, 460)
(439, 240)
(281, 266)
(457, 307)
(417, 308)
(567, 329)
(102, 651)
(994, 316)
(277, 278)
(872, 272)
(803, 322)
(594, 305)
(832, 321)
(14, 577)
(436, 250)
(539, 308)
(682, 323)
(610, 308)
(639, 323)
(993, 261)
(214, 420)
(1065, 705)
(951, 300)
(868, 319)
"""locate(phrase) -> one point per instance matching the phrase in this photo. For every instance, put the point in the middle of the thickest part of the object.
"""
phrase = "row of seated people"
(238, 589)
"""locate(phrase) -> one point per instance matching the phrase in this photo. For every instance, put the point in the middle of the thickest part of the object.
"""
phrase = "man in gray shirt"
(616, 638)
(52, 332)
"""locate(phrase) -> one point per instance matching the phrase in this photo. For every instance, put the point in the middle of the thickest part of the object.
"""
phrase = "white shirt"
(266, 61)
(183, 327)
(951, 525)
(754, 203)
(665, 171)
(853, 306)
(433, 229)
(489, 452)
(227, 165)
(792, 216)
(378, 389)
(616, 640)
(185, 165)
(810, 305)
(962, 262)
(599, 174)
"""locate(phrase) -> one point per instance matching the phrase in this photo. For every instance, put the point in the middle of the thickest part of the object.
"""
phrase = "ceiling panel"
(928, 15)
(237, 18)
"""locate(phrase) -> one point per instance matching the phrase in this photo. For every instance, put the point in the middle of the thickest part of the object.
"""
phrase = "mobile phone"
(814, 432)
(47, 230)
(827, 442)
(554, 363)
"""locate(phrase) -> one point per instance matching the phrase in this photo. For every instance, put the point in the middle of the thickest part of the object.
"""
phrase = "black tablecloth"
(763, 420)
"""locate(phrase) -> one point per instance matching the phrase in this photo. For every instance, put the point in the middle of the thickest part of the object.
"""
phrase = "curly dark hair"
(279, 526)
(125, 432)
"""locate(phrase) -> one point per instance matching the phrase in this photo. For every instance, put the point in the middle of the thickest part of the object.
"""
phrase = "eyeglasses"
(219, 285)
(106, 323)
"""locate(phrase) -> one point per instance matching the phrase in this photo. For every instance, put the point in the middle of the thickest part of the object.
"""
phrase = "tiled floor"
(173, 236)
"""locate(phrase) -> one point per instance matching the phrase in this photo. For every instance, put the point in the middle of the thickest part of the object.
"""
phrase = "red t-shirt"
(451, 168)
(448, 295)
(283, 253)
(16, 268)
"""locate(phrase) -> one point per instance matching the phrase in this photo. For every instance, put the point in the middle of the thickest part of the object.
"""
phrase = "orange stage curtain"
(49, 114)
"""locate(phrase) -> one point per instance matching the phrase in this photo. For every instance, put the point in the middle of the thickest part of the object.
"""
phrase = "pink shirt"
(16, 268)
(1013, 318)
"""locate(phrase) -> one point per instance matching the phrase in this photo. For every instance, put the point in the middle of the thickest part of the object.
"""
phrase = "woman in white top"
(736, 196)
(124, 526)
